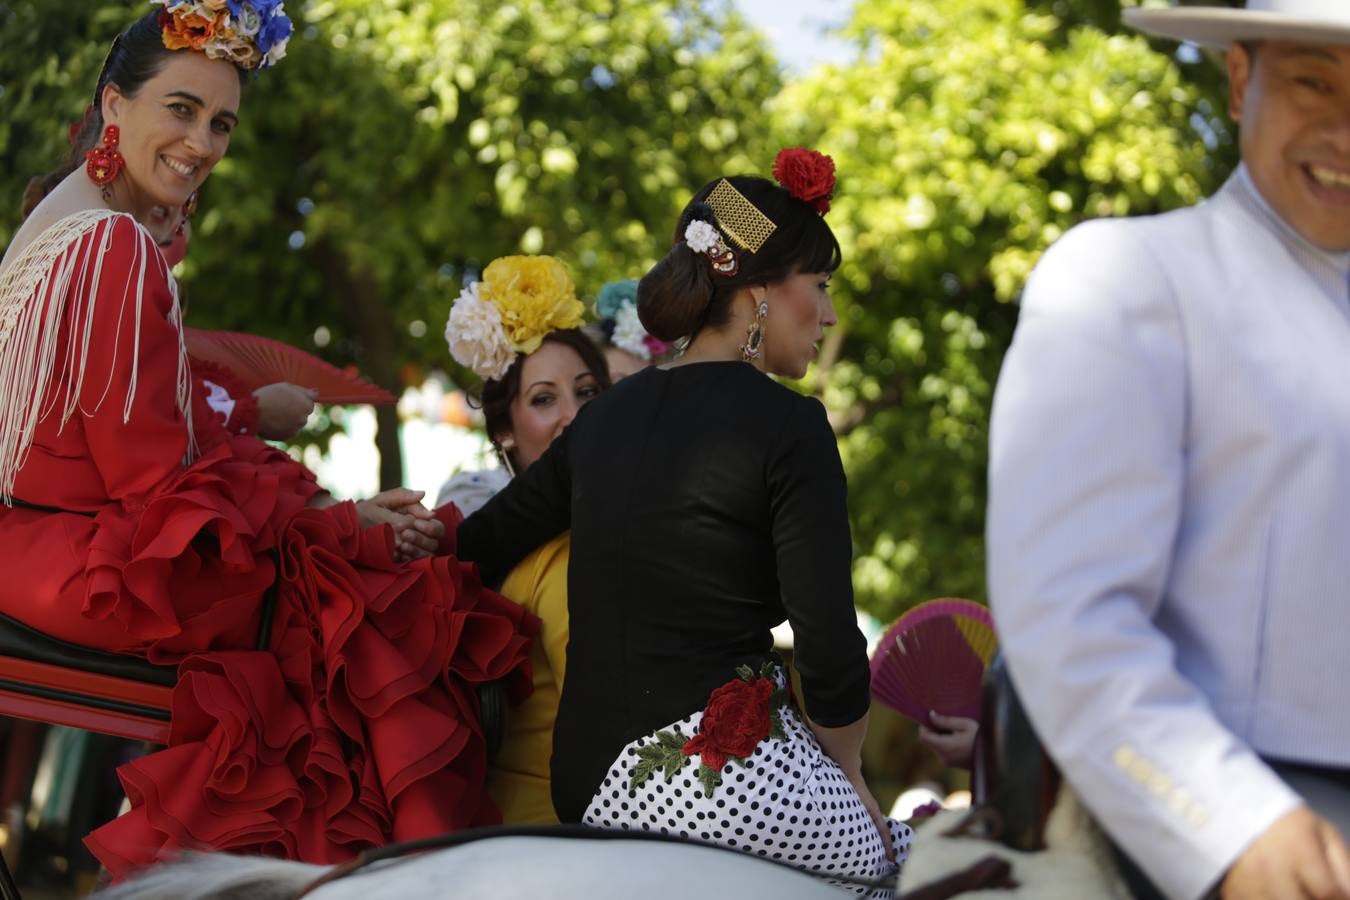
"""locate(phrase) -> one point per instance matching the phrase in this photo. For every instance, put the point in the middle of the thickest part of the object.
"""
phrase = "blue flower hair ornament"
(616, 307)
(252, 34)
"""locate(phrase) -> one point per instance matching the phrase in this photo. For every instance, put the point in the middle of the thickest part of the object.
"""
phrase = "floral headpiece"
(703, 237)
(519, 300)
(726, 211)
(807, 174)
(252, 34)
(617, 308)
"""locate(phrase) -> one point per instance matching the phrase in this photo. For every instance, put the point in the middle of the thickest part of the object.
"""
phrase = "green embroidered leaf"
(767, 670)
(746, 673)
(666, 754)
(651, 751)
(710, 778)
(674, 741)
(776, 725)
(642, 772)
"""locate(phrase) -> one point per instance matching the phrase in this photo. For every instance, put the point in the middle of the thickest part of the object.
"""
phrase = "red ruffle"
(184, 571)
(358, 728)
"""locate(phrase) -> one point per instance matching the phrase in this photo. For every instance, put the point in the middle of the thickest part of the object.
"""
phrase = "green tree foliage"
(969, 136)
(401, 146)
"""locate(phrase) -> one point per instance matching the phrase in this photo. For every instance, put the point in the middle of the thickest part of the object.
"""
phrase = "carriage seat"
(61, 683)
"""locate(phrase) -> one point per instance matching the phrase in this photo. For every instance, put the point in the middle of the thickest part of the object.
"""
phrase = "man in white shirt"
(1169, 511)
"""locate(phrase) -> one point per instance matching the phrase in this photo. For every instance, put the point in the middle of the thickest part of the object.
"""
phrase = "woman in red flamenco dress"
(134, 522)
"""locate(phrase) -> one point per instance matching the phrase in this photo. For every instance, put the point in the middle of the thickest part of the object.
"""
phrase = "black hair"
(682, 295)
(498, 394)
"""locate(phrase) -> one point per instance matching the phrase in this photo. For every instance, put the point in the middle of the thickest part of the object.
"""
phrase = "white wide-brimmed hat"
(1305, 21)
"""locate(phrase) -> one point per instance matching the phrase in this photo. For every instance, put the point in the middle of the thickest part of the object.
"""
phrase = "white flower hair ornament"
(703, 237)
(252, 34)
(510, 310)
(476, 337)
(629, 334)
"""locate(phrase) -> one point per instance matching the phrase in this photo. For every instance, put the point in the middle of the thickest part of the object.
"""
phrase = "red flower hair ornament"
(807, 175)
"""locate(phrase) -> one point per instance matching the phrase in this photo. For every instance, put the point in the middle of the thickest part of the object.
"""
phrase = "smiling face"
(176, 127)
(800, 310)
(554, 383)
(1292, 102)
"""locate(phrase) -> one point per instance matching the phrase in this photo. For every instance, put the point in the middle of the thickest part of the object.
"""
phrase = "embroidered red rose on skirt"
(808, 175)
(735, 720)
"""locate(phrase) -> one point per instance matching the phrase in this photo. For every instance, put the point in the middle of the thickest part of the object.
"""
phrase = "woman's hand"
(952, 738)
(416, 532)
(283, 409)
(855, 777)
(844, 746)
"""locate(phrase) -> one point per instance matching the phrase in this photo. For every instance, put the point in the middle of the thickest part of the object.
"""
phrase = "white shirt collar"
(1282, 229)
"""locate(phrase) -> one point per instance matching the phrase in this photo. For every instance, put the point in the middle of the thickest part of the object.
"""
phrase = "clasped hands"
(417, 533)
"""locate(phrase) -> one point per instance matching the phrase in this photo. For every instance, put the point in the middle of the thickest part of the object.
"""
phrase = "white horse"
(558, 863)
(1076, 863)
(500, 868)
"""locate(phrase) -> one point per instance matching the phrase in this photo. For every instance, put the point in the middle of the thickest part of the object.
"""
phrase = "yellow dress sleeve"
(550, 605)
(518, 778)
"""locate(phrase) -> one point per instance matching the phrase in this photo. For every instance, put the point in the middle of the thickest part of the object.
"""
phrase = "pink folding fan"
(257, 361)
(933, 658)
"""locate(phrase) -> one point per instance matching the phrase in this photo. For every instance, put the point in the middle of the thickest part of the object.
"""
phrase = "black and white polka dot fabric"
(792, 804)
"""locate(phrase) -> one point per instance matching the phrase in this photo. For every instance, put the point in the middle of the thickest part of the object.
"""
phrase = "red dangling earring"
(104, 164)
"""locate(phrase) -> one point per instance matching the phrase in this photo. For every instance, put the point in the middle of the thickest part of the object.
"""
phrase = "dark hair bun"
(672, 299)
(682, 294)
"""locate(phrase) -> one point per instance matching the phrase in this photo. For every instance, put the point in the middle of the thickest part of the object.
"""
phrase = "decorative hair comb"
(738, 218)
(732, 215)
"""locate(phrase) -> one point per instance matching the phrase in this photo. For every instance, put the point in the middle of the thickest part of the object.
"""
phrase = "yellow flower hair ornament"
(518, 301)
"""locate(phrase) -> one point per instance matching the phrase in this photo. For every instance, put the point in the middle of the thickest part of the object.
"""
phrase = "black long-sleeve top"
(707, 503)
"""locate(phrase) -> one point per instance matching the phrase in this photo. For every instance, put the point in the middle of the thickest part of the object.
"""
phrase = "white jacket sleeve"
(1086, 494)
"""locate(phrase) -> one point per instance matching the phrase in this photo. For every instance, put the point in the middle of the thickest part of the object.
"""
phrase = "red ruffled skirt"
(358, 727)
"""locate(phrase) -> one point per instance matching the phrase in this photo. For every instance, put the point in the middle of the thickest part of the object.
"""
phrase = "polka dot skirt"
(792, 804)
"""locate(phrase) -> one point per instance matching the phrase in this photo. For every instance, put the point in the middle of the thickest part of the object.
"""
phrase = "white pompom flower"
(629, 334)
(248, 23)
(476, 337)
(701, 236)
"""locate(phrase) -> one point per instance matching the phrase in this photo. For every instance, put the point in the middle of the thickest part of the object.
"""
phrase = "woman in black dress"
(707, 504)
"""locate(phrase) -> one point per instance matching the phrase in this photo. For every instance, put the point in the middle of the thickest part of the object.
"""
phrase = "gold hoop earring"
(754, 335)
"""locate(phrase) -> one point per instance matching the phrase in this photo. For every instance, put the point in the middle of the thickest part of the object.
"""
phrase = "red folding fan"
(933, 658)
(257, 361)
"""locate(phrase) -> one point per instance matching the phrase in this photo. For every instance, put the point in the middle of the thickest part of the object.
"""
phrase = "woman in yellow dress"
(518, 329)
